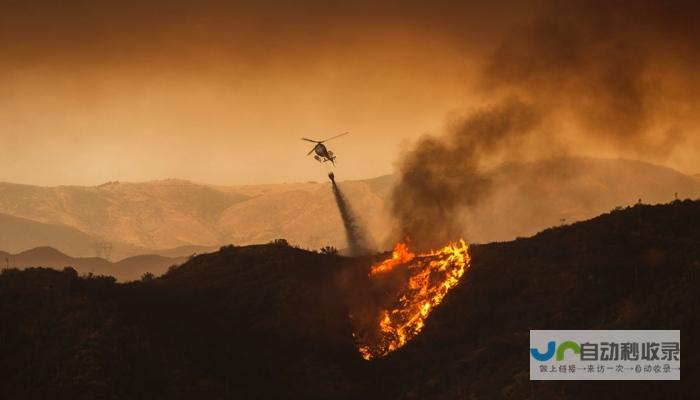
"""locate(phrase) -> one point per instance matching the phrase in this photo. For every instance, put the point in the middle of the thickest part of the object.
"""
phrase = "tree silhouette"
(329, 251)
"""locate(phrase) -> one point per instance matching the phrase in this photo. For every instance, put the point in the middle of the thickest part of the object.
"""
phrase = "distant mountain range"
(128, 269)
(118, 220)
(157, 217)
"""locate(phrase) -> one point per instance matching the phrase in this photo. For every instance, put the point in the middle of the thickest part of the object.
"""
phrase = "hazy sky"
(221, 92)
(97, 91)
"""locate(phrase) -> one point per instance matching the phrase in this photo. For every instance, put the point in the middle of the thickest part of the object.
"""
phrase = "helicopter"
(322, 153)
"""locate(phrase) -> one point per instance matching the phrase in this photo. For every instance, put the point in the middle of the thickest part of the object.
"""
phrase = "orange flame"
(400, 255)
(431, 276)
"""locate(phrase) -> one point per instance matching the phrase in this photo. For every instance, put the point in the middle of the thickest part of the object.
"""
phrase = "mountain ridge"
(127, 269)
(151, 217)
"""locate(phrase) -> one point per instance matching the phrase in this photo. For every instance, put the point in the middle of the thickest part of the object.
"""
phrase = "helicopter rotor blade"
(309, 140)
(336, 136)
(312, 150)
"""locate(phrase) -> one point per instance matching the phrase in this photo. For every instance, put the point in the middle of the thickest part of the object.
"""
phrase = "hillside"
(19, 234)
(128, 269)
(271, 321)
(134, 217)
(151, 217)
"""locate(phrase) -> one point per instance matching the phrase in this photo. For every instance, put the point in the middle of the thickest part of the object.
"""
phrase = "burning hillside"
(418, 284)
(270, 321)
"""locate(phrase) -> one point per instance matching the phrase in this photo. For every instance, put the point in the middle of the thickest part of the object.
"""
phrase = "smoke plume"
(578, 79)
(440, 177)
(355, 235)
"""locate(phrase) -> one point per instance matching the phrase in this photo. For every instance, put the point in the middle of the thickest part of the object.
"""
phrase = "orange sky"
(221, 93)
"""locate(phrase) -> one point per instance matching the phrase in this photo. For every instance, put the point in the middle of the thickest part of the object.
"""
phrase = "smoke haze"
(581, 78)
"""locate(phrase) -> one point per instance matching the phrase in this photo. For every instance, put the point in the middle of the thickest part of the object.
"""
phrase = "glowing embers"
(419, 283)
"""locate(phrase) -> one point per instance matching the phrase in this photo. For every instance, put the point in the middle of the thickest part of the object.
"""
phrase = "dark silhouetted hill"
(271, 321)
(185, 251)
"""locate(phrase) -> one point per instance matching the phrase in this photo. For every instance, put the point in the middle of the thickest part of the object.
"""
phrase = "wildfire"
(400, 255)
(430, 277)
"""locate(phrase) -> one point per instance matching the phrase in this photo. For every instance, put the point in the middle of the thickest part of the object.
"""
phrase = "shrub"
(280, 242)
(70, 271)
(329, 251)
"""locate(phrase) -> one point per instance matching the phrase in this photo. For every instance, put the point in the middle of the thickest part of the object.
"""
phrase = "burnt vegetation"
(271, 321)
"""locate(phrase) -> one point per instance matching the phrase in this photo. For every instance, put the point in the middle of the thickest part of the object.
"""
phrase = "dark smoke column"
(440, 179)
(353, 232)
